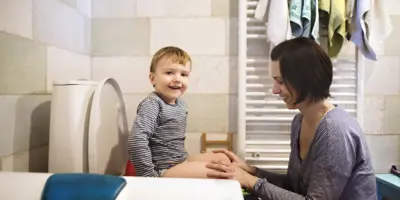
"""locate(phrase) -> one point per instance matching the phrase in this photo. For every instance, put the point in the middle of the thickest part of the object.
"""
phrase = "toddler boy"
(156, 142)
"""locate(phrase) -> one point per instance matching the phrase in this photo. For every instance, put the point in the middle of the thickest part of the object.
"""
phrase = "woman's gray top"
(338, 165)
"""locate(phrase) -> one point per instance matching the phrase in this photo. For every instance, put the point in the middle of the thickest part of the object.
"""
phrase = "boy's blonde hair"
(177, 55)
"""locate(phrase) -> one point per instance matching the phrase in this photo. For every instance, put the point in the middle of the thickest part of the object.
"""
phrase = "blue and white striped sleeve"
(138, 143)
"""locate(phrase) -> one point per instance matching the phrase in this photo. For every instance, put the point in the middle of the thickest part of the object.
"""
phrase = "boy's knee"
(223, 157)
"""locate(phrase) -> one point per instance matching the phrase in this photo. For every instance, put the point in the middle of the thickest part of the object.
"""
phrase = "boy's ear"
(152, 79)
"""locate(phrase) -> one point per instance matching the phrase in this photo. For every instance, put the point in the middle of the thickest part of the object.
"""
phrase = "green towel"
(335, 11)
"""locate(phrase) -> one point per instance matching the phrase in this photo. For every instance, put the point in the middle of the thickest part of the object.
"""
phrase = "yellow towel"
(335, 10)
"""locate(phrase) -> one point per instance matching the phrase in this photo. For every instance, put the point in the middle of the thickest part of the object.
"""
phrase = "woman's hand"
(231, 171)
(236, 160)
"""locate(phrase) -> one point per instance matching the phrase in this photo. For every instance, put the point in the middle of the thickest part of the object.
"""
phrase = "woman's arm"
(280, 180)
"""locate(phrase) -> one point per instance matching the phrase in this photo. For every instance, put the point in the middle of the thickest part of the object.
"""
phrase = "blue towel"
(76, 186)
(359, 33)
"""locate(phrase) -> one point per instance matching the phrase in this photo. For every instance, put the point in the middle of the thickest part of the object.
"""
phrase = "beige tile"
(22, 65)
(32, 122)
(16, 17)
(34, 160)
(193, 143)
(232, 39)
(131, 73)
(373, 114)
(120, 37)
(385, 151)
(25, 123)
(382, 77)
(195, 35)
(85, 7)
(207, 113)
(392, 115)
(72, 3)
(225, 8)
(212, 74)
(59, 25)
(63, 65)
(7, 124)
(113, 9)
(18, 162)
(173, 8)
(39, 159)
(391, 7)
(233, 113)
(392, 43)
(87, 37)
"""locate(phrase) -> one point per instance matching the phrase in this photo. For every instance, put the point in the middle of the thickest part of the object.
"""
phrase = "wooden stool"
(205, 143)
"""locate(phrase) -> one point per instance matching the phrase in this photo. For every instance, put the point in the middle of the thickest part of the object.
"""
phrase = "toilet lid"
(108, 130)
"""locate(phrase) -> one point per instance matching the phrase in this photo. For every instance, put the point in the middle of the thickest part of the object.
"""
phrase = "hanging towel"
(314, 21)
(359, 29)
(335, 11)
(350, 5)
(306, 18)
(379, 25)
(278, 25)
(261, 9)
(295, 12)
(350, 8)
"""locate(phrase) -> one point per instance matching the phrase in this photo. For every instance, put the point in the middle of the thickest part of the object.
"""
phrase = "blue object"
(74, 186)
(388, 186)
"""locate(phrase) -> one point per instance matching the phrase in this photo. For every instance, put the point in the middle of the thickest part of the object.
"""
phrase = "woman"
(329, 157)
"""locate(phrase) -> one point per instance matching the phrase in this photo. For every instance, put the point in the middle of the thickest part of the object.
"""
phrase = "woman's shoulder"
(341, 128)
(339, 139)
(339, 119)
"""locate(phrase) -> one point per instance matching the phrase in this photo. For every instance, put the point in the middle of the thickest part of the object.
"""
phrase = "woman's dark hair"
(306, 67)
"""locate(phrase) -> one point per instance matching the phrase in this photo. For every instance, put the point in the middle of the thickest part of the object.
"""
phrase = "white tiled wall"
(64, 65)
(46, 40)
(199, 36)
(59, 25)
(173, 8)
(20, 11)
(130, 80)
(118, 9)
(40, 41)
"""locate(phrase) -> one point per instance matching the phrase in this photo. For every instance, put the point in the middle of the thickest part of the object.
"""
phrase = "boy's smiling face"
(170, 79)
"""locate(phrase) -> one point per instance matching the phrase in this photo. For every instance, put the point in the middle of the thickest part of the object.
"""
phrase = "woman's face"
(280, 88)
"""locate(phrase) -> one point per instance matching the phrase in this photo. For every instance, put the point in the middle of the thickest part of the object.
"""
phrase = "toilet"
(88, 128)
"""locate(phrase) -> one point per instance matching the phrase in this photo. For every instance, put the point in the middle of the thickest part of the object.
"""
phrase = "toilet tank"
(69, 123)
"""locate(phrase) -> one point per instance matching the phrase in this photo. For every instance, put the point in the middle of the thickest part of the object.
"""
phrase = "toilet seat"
(108, 130)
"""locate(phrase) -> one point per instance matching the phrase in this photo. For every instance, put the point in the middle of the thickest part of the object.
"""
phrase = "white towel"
(378, 23)
(278, 25)
(261, 9)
